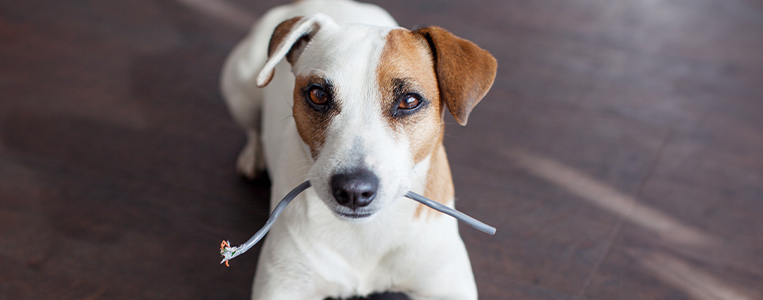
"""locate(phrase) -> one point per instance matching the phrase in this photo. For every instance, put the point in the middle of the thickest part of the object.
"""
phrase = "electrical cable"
(229, 252)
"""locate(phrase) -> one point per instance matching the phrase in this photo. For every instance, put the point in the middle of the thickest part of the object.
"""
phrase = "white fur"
(311, 252)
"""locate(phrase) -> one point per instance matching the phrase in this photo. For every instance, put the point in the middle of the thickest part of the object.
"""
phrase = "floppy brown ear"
(465, 72)
(288, 40)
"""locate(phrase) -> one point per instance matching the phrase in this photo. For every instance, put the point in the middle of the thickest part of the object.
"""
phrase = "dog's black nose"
(354, 189)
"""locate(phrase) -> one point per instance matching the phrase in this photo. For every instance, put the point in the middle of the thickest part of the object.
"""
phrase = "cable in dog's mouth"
(228, 252)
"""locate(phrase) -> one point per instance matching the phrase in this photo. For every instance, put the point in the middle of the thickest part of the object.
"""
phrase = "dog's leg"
(283, 272)
(460, 286)
(251, 162)
(244, 101)
(440, 270)
(247, 113)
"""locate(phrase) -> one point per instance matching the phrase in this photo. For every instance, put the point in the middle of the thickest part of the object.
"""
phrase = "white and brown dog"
(358, 110)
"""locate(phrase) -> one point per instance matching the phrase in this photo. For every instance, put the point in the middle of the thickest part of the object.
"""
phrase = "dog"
(336, 93)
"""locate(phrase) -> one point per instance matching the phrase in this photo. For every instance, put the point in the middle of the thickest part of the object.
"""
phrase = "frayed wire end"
(227, 252)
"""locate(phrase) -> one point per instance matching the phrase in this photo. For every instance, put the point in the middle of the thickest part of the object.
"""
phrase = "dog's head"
(369, 103)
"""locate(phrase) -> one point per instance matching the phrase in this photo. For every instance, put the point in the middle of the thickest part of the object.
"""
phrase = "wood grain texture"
(117, 152)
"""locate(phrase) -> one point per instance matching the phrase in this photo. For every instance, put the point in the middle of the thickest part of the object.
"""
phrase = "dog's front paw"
(251, 162)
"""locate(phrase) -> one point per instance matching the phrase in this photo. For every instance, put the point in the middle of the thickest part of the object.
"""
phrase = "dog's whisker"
(451, 136)
(423, 183)
(291, 175)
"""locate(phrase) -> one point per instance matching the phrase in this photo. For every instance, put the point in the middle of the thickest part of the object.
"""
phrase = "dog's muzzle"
(354, 189)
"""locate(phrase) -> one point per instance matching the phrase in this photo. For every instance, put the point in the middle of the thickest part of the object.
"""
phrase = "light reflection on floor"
(665, 267)
(606, 197)
(693, 280)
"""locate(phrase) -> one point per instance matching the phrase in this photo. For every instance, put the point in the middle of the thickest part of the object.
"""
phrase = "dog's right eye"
(318, 96)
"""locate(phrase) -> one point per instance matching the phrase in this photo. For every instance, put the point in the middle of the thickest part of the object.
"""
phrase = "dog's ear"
(465, 72)
(288, 40)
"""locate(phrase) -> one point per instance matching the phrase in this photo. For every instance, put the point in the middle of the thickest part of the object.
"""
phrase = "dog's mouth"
(358, 215)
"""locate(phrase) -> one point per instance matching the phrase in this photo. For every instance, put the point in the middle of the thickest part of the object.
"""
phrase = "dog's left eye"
(318, 96)
(409, 101)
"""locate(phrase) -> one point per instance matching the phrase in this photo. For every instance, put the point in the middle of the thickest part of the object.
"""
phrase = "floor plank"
(618, 153)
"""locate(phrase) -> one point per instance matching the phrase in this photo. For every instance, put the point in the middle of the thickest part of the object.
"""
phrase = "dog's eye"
(409, 101)
(318, 96)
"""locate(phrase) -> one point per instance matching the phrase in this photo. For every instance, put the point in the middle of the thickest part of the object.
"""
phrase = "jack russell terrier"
(357, 109)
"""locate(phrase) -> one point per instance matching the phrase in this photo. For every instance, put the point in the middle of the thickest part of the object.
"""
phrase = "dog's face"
(368, 103)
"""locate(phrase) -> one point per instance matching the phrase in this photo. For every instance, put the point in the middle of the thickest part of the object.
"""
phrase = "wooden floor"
(619, 153)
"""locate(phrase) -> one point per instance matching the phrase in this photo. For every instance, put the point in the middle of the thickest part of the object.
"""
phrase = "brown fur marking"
(465, 72)
(311, 124)
(281, 31)
(439, 182)
(406, 66)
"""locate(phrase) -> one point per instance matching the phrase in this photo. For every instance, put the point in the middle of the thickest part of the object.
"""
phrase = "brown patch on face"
(312, 123)
(465, 72)
(406, 67)
(439, 182)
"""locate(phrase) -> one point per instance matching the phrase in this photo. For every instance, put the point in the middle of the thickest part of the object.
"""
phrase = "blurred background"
(619, 153)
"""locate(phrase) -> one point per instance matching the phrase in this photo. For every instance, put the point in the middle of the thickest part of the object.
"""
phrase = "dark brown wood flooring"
(619, 153)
